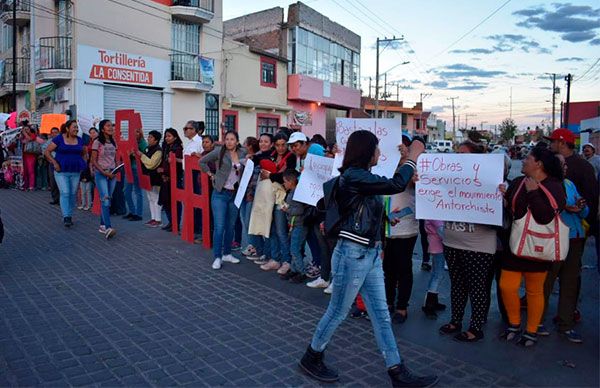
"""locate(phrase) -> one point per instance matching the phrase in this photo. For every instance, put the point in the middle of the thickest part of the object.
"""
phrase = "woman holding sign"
(356, 262)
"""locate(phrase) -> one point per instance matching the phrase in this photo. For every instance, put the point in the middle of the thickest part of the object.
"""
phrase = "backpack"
(333, 217)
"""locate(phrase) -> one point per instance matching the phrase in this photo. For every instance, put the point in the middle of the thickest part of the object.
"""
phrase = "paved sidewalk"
(146, 309)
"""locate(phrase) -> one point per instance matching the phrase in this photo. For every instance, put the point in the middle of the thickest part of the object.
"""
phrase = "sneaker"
(329, 289)
(217, 263)
(298, 278)
(68, 222)
(510, 333)
(80, 207)
(542, 331)
(127, 216)
(270, 265)
(527, 340)
(151, 222)
(86, 208)
(255, 257)
(236, 246)
(402, 377)
(318, 283)
(231, 259)
(313, 272)
(261, 260)
(249, 251)
(102, 229)
(357, 313)
(110, 233)
(154, 224)
(572, 336)
(285, 268)
(312, 364)
(135, 218)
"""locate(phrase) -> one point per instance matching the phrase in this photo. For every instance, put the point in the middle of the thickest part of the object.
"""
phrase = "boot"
(402, 377)
(312, 364)
(429, 307)
(436, 304)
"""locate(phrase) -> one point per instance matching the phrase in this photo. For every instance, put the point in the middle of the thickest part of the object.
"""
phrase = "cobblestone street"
(146, 309)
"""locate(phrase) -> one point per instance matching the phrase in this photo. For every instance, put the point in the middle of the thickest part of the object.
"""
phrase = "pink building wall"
(302, 87)
(318, 116)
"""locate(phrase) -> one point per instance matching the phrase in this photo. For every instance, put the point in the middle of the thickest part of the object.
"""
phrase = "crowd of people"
(378, 233)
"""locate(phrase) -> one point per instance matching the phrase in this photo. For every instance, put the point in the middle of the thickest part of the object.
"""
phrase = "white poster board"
(317, 170)
(460, 187)
(248, 170)
(389, 133)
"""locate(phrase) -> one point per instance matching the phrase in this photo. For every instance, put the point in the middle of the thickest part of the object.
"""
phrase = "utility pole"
(453, 118)
(388, 41)
(467, 119)
(369, 87)
(553, 99)
(568, 78)
(14, 56)
(483, 122)
(398, 91)
(385, 95)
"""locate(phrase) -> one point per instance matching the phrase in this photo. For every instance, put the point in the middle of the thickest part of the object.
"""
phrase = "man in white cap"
(589, 152)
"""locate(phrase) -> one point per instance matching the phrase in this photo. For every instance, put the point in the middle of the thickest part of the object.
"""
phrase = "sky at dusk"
(516, 43)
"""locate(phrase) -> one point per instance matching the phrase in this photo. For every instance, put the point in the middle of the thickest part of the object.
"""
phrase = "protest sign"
(248, 170)
(9, 136)
(52, 120)
(389, 133)
(86, 122)
(460, 187)
(317, 170)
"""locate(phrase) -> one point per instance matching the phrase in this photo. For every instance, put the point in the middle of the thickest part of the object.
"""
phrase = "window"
(7, 37)
(404, 119)
(268, 72)
(64, 17)
(211, 115)
(266, 124)
(185, 37)
(230, 120)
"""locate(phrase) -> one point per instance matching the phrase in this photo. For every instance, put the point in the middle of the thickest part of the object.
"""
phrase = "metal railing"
(22, 71)
(55, 53)
(22, 5)
(208, 5)
(185, 67)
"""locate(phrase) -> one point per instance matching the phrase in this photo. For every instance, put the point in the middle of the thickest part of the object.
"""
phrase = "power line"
(588, 70)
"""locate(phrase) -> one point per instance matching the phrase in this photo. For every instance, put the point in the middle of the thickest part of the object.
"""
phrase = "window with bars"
(211, 120)
(268, 72)
(266, 124)
(230, 121)
(64, 15)
(7, 37)
(185, 37)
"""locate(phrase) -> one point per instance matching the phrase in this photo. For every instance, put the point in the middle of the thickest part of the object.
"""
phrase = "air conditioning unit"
(62, 94)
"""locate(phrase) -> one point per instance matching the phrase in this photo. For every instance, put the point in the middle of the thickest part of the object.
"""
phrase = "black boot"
(68, 222)
(402, 377)
(312, 364)
(436, 304)
(429, 307)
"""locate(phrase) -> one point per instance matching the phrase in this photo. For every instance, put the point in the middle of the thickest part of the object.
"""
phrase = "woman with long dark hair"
(541, 168)
(172, 144)
(151, 160)
(68, 162)
(104, 160)
(229, 160)
(356, 261)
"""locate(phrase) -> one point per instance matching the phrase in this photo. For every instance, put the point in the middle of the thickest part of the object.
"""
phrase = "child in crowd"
(435, 236)
(85, 187)
(295, 212)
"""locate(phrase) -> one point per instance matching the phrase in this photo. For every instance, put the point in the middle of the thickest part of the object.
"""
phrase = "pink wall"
(318, 117)
(305, 88)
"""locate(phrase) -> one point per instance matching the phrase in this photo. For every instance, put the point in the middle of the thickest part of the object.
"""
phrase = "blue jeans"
(245, 211)
(135, 207)
(280, 244)
(357, 268)
(438, 272)
(68, 183)
(261, 244)
(225, 215)
(297, 241)
(106, 187)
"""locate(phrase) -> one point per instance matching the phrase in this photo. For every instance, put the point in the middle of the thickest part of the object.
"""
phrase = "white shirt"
(193, 146)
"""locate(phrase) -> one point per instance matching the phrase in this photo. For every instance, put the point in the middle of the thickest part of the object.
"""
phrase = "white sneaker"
(86, 208)
(110, 233)
(318, 283)
(102, 229)
(230, 259)
(261, 260)
(329, 289)
(79, 207)
(217, 263)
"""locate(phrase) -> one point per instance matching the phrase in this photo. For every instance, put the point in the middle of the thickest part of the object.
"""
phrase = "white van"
(442, 145)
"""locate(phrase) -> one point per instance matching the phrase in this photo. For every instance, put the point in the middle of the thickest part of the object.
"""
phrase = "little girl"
(435, 235)
(86, 186)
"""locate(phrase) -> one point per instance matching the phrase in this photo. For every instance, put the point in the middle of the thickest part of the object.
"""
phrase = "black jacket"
(360, 203)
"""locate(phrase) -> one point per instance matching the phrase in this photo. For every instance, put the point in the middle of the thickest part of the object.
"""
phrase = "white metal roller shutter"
(148, 103)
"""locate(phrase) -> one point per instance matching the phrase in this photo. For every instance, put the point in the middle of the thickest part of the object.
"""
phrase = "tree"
(508, 128)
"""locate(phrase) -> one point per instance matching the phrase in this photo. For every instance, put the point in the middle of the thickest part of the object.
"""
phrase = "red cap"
(562, 134)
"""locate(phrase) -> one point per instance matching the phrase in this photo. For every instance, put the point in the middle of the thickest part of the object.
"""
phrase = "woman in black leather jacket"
(356, 262)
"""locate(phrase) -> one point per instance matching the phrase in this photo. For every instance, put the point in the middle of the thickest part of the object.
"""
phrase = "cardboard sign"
(389, 133)
(317, 170)
(460, 187)
(9, 136)
(248, 170)
(51, 120)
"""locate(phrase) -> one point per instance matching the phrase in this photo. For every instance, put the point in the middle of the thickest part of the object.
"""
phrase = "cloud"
(570, 59)
(395, 45)
(510, 42)
(546, 88)
(595, 42)
(408, 87)
(438, 84)
(439, 108)
(574, 23)
(460, 70)
(473, 51)
(473, 86)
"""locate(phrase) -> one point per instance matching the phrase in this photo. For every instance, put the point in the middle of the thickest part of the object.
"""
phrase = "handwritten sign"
(317, 170)
(460, 187)
(248, 170)
(389, 133)
(52, 120)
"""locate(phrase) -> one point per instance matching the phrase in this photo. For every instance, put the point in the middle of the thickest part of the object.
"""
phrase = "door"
(149, 103)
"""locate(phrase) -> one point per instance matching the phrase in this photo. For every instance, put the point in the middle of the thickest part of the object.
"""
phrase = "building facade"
(162, 58)
(436, 128)
(413, 119)
(323, 62)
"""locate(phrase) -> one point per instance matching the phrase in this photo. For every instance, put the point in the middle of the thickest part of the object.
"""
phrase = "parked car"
(430, 148)
(443, 145)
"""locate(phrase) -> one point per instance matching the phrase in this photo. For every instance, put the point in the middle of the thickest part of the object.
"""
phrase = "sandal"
(464, 336)
(510, 333)
(451, 328)
(527, 340)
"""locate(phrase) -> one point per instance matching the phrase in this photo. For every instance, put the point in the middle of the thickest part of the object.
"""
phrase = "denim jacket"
(574, 220)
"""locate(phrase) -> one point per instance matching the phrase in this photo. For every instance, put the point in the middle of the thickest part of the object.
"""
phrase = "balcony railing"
(208, 5)
(22, 5)
(22, 71)
(55, 53)
(185, 67)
